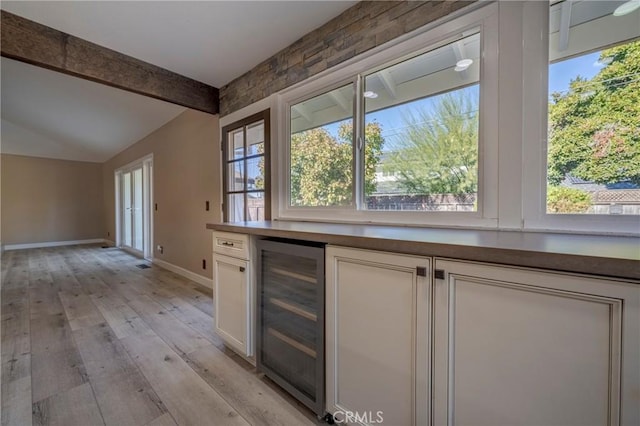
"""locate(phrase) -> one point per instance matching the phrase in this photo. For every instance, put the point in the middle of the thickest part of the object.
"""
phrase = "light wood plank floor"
(90, 339)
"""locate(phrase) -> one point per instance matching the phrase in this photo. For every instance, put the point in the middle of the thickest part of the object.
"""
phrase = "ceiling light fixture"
(463, 64)
(369, 94)
(627, 8)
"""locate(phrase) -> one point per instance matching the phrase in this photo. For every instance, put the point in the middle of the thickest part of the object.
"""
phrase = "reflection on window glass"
(255, 206)
(255, 173)
(593, 164)
(236, 144)
(421, 131)
(322, 150)
(236, 176)
(235, 207)
(255, 138)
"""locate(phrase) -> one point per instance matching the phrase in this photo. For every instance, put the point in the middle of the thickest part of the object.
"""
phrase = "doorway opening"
(134, 198)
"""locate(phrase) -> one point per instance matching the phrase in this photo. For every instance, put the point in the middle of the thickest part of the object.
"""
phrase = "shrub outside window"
(410, 142)
(593, 163)
(421, 131)
(321, 150)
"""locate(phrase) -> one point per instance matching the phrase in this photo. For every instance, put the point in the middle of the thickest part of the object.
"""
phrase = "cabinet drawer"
(231, 244)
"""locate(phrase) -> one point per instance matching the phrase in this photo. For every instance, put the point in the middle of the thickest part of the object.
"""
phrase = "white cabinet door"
(521, 347)
(232, 303)
(377, 334)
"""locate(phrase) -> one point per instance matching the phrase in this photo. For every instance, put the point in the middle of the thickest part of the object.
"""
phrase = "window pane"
(235, 139)
(235, 176)
(255, 205)
(137, 209)
(255, 173)
(421, 131)
(235, 207)
(127, 212)
(593, 164)
(322, 150)
(255, 138)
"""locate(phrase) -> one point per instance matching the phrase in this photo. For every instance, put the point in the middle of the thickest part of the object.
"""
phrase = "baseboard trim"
(204, 281)
(52, 244)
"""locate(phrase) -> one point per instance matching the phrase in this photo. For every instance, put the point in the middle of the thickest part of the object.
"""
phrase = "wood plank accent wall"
(37, 44)
(362, 27)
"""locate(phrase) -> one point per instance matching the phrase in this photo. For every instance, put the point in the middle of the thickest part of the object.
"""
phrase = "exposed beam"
(304, 112)
(388, 83)
(565, 24)
(340, 100)
(36, 44)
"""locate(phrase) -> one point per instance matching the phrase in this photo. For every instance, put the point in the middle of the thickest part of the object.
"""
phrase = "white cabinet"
(522, 347)
(234, 292)
(482, 345)
(377, 336)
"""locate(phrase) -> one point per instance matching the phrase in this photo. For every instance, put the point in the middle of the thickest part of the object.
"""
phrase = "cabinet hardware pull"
(241, 268)
(227, 243)
(421, 271)
(438, 274)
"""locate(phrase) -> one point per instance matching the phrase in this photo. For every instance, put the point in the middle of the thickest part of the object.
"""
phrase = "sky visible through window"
(560, 75)
(592, 150)
(392, 118)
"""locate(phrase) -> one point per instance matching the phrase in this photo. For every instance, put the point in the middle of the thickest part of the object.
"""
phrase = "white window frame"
(535, 109)
(428, 38)
(286, 161)
(513, 94)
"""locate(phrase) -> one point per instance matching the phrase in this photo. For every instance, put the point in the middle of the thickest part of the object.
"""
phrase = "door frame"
(146, 163)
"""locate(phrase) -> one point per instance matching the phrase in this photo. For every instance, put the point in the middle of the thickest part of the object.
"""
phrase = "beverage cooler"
(290, 341)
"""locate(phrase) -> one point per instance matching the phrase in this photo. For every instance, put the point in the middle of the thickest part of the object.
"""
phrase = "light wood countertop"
(590, 254)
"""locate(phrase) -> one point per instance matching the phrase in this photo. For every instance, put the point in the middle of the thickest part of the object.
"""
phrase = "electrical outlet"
(108, 234)
(160, 249)
(206, 206)
(204, 263)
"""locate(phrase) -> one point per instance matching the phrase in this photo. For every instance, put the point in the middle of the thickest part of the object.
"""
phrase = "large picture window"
(421, 131)
(245, 148)
(593, 163)
(321, 150)
(401, 137)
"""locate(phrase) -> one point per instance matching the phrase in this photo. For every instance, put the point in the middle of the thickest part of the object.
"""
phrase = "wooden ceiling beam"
(37, 44)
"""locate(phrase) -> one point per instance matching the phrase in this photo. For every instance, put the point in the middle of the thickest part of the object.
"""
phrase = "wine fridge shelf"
(291, 319)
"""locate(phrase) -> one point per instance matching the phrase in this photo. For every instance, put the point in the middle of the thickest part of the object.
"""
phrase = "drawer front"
(231, 244)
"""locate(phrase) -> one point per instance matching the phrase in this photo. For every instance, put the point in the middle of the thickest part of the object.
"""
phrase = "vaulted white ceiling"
(209, 41)
(53, 115)
(47, 114)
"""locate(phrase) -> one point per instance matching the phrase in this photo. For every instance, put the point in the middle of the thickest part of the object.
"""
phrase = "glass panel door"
(132, 202)
(127, 225)
(137, 209)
